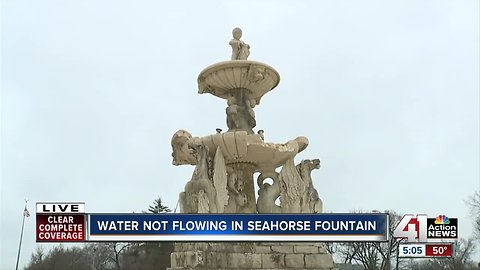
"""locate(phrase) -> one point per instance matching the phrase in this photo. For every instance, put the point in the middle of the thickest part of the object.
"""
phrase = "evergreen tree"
(150, 255)
(158, 207)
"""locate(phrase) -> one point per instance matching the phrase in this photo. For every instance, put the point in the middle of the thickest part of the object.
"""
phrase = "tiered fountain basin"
(238, 147)
(222, 78)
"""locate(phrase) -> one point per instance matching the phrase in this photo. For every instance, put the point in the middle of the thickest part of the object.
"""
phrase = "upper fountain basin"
(222, 78)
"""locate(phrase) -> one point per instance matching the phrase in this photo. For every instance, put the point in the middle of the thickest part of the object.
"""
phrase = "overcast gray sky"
(92, 91)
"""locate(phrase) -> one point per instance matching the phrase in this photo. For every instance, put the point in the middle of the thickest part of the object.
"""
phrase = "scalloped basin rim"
(220, 78)
(234, 63)
(265, 155)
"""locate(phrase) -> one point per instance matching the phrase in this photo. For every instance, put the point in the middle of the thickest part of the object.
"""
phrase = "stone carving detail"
(240, 114)
(236, 199)
(293, 185)
(292, 188)
(240, 49)
(256, 73)
(233, 113)
(200, 193)
(311, 201)
(182, 154)
(268, 194)
(220, 180)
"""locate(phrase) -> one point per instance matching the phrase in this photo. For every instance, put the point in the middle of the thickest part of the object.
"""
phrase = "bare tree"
(371, 255)
(474, 203)
(116, 250)
(37, 257)
(100, 256)
(60, 258)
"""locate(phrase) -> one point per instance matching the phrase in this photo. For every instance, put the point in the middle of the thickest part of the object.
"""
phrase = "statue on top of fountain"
(240, 49)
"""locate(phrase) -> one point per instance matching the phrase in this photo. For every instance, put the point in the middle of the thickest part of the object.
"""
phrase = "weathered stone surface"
(273, 260)
(318, 261)
(194, 258)
(221, 260)
(282, 249)
(295, 261)
(177, 259)
(221, 247)
(263, 249)
(305, 249)
(243, 248)
(311, 201)
(238, 260)
(256, 260)
(237, 256)
(202, 246)
(322, 249)
(184, 246)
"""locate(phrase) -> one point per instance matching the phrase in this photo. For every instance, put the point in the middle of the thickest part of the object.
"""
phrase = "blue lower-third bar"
(238, 227)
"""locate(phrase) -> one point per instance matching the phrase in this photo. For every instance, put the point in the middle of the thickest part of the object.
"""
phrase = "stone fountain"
(225, 164)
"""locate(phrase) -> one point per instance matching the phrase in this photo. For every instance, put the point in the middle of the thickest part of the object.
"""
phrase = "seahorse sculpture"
(268, 193)
(200, 194)
(311, 201)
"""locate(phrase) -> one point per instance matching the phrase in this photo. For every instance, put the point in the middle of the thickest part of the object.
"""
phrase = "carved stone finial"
(240, 49)
(261, 132)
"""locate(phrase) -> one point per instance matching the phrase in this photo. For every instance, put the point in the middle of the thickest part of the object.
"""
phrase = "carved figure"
(240, 114)
(236, 199)
(255, 73)
(250, 113)
(180, 152)
(233, 111)
(220, 180)
(292, 188)
(261, 132)
(268, 194)
(311, 201)
(240, 49)
(200, 194)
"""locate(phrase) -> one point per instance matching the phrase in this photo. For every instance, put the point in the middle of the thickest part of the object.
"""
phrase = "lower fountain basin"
(238, 147)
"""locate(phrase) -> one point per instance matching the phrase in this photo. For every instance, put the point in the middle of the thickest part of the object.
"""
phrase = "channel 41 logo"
(421, 228)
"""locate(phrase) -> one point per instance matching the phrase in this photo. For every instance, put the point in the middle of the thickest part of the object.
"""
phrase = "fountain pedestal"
(216, 256)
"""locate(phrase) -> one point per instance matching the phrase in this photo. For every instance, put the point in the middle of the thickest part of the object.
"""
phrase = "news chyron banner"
(238, 227)
(426, 237)
(68, 222)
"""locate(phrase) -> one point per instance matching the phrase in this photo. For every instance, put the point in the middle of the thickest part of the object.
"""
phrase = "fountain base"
(216, 256)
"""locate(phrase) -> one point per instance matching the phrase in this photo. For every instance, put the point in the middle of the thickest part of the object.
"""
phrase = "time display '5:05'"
(411, 250)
